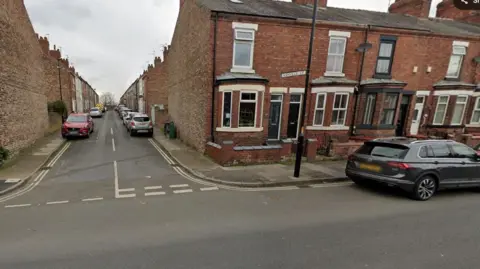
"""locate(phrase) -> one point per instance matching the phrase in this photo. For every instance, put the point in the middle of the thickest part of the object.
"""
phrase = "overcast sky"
(110, 42)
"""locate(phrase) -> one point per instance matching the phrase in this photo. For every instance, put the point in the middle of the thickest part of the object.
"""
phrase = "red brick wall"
(225, 155)
(156, 91)
(189, 79)
(52, 79)
(23, 104)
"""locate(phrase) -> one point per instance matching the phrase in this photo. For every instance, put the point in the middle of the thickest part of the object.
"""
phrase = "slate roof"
(227, 76)
(289, 10)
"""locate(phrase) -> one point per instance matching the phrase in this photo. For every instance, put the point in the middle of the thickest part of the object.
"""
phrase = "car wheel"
(424, 188)
(132, 133)
(150, 134)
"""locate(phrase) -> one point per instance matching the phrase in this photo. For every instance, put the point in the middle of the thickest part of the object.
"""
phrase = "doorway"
(275, 116)
(294, 115)
(417, 114)
(402, 116)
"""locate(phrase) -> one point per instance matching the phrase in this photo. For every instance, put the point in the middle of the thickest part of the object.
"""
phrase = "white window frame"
(464, 108)
(223, 108)
(243, 27)
(337, 35)
(340, 109)
(317, 109)
(477, 100)
(369, 112)
(462, 58)
(240, 101)
(436, 108)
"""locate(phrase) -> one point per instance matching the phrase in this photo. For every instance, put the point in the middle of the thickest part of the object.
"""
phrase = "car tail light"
(150, 124)
(132, 123)
(351, 157)
(403, 166)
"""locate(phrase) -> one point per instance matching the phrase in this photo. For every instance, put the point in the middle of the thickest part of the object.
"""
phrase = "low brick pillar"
(287, 147)
(311, 149)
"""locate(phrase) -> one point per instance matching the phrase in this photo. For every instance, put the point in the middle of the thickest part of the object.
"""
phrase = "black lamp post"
(301, 136)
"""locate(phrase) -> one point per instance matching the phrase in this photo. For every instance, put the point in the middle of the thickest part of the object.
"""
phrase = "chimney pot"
(321, 3)
(417, 8)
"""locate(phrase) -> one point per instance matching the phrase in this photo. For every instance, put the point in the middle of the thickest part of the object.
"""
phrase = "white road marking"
(154, 193)
(92, 199)
(164, 155)
(113, 144)
(38, 178)
(153, 187)
(111, 131)
(12, 180)
(57, 202)
(179, 186)
(127, 189)
(20, 205)
(209, 189)
(126, 195)
(183, 191)
(115, 173)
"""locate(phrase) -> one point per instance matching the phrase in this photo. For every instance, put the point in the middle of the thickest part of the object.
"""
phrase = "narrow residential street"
(76, 218)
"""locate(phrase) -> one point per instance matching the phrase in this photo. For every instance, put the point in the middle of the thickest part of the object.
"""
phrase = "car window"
(383, 150)
(426, 152)
(94, 109)
(441, 150)
(141, 119)
(462, 151)
(76, 118)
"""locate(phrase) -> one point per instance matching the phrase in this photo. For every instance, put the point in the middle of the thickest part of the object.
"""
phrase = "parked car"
(77, 125)
(95, 112)
(140, 124)
(421, 167)
(124, 112)
(128, 117)
(477, 148)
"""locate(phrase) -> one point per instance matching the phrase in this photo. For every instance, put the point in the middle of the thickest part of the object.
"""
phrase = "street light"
(301, 136)
(60, 88)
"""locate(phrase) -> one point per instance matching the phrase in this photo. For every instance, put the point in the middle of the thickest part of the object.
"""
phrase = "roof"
(228, 76)
(289, 10)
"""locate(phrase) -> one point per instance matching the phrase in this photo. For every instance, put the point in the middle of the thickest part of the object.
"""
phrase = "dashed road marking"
(113, 144)
(183, 191)
(153, 187)
(126, 190)
(57, 202)
(20, 205)
(111, 131)
(92, 199)
(126, 195)
(155, 193)
(12, 180)
(179, 186)
(209, 189)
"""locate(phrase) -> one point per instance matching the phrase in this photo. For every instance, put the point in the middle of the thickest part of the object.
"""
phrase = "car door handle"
(463, 162)
(435, 162)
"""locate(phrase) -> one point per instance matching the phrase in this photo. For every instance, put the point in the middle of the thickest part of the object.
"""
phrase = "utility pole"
(301, 137)
(60, 88)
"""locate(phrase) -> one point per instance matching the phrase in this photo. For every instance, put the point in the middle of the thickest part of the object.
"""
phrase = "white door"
(417, 115)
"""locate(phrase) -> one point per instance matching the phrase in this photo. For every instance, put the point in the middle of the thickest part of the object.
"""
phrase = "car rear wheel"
(132, 133)
(424, 188)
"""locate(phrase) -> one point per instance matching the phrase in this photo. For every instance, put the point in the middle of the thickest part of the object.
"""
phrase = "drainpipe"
(214, 67)
(352, 124)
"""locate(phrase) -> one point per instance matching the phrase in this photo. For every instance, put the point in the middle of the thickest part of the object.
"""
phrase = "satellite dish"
(364, 47)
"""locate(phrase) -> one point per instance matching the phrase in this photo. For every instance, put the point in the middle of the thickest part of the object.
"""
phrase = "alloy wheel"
(426, 188)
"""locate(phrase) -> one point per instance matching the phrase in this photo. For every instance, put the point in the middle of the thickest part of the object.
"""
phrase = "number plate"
(143, 131)
(73, 132)
(370, 167)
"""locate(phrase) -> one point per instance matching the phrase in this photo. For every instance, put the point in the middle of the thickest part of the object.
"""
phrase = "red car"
(77, 125)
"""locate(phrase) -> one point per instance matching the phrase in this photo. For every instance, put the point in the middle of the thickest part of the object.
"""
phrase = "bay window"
(389, 107)
(476, 112)
(319, 109)
(459, 110)
(227, 110)
(339, 112)
(441, 109)
(247, 109)
(369, 108)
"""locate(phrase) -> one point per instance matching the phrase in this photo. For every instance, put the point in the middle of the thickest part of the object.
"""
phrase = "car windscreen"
(141, 119)
(76, 118)
(393, 151)
(94, 109)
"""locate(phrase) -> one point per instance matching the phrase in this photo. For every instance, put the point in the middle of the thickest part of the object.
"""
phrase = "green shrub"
(4, 153)
(57, 106)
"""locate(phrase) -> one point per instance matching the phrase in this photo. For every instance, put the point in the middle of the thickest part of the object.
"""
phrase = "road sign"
(293, 74)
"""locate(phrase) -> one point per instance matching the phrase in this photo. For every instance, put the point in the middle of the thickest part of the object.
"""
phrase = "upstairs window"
(456, 60)
(385, 56)
(243, 49)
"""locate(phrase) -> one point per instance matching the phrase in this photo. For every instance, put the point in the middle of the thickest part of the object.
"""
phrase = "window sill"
(333, 74)
(474, 125)
(328, 128)
(242, 70)
(239, 130)
(382, 76)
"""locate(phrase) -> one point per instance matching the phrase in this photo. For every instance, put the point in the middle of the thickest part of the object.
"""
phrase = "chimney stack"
(44, 44)
(157, 61)
(416, 8)
(446, 9)
(321, 3)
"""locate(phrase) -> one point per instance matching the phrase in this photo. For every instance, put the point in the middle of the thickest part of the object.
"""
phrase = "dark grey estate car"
(420, 167)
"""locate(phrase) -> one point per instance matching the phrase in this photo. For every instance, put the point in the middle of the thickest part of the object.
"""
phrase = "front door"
(293, 115)
(417, 114)
(275, 116)
(402, 116)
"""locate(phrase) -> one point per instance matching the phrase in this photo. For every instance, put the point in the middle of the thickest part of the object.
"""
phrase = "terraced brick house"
(373, 74)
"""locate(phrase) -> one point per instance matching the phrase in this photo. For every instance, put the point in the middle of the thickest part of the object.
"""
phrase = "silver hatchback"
(140, 124)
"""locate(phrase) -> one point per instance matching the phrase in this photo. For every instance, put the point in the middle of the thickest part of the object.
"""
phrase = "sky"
(111, 42)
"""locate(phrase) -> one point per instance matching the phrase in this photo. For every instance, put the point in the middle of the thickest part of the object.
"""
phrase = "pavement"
(269, 175)
(90, 209)
(27, 162)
